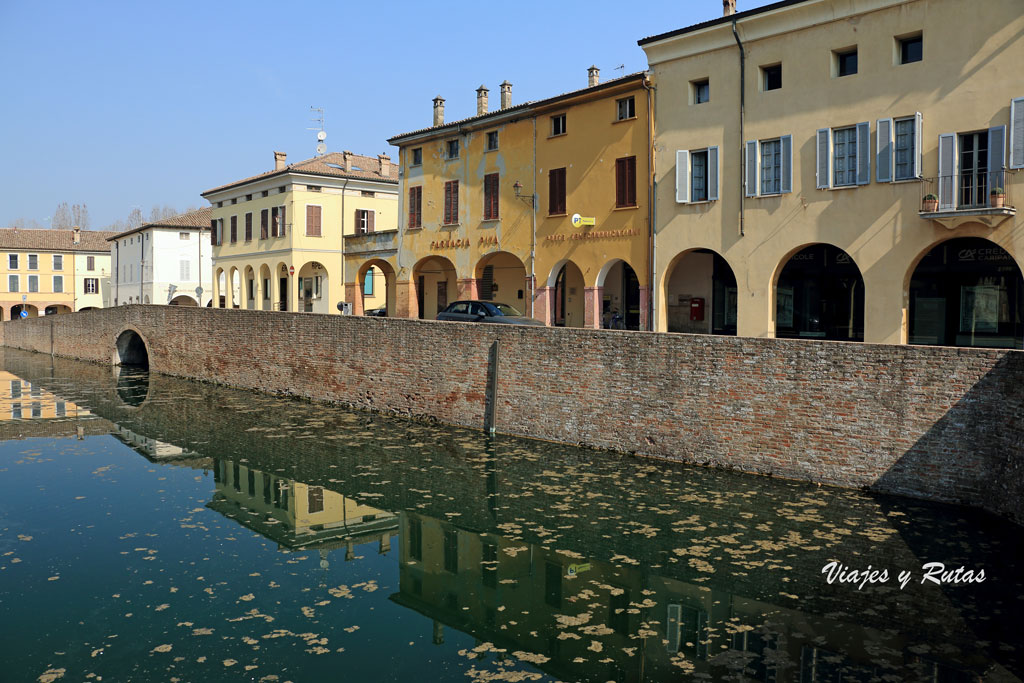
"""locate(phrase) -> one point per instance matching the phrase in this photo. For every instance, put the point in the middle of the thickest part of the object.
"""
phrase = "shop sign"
(575, 569)
(488, 240)
(450, 244)
(593, 235)
(579, 221)
(983, 254)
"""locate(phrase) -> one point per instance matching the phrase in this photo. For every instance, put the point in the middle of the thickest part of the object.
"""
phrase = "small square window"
(558, 125)
(183, 236)
(846, 62)
(453, 149)
(772, 76)
(626, 108)
(701, 91)
(266, 193)
(492, 141)
(248, 197)
(911, 49)
(417, 157)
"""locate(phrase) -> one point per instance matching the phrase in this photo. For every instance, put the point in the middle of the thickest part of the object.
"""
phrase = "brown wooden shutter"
(248, 227)
(234, 229)
(419, 207)
(313, 221)
(556, 191)
(631, 181)
(213, 232)
(620, 182)
(359, 223)
(281, 227)
(491, 196)
(264, 224)
(447, 203)
(369, 221)
(275, 218)
(414, 207)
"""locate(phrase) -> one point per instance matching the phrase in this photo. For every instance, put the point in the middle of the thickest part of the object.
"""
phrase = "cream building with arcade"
(842, 170)
(279, 238)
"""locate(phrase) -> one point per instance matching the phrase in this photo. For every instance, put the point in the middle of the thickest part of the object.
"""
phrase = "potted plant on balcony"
(930, 203)
(997, 197)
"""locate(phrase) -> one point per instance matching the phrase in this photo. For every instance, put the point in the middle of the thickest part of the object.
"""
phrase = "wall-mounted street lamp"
(518, 187)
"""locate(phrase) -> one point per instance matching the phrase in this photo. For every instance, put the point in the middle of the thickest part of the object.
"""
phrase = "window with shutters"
(558, 125)
(234, 229)
(92, 285)
(264, 224)
(364, 221)
(491, 197)
(699, 176)
(248, 227)
(58, 283)
(33, 283)
(416, 207)
(556, 191)
(844, 156)
(12, 261)
(771, 166)
(625, 182)
(184, 270)
(973, 163)
(625, 108)
(33, 261)
(13, 283)
(275, 221)
(451, 202)
(904, 146)
(1017, 133)
(313, 215)
(58, 262)
(90, 263)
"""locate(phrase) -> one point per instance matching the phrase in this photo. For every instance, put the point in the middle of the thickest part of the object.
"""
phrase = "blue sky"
(121, 105)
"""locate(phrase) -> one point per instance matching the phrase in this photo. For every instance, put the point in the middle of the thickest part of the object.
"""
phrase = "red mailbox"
(696, 309)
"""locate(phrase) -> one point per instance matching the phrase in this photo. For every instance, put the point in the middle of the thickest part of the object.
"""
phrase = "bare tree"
(80, 214)
(135, 218)
(26, 224)
(61, 217)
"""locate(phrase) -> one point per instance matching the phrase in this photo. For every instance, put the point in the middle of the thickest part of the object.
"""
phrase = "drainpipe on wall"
(117, 272)
(651, 210)
(344, 189)
(533, 223)
(743, 102)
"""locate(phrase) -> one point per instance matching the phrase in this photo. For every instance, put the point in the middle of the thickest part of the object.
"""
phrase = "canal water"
(154, 529)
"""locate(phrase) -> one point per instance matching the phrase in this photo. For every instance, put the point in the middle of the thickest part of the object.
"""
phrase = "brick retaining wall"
(939, 423)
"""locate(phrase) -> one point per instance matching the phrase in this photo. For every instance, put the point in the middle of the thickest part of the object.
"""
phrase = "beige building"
(53, 271)
(798, 150)
(280, 238)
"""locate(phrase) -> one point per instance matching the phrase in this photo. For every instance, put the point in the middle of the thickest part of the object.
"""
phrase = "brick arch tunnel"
(130, 350)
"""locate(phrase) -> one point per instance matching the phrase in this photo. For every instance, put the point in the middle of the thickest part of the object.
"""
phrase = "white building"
(166, 262)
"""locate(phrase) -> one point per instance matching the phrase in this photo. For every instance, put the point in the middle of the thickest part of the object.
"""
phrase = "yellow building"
(53, 271)
(797, 144)
(543, 206)
(278, 237)
(20, 399)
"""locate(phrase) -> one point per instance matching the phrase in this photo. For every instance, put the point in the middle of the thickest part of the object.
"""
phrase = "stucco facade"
(487, 207)
(278, 237)
(835, 163)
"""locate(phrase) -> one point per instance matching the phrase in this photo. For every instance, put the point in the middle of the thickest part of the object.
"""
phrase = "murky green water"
(155, 529)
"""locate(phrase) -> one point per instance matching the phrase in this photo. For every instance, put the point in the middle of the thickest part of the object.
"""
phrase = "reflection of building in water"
(22, 400)
(152, 449)
(295, 515)
(598, 621)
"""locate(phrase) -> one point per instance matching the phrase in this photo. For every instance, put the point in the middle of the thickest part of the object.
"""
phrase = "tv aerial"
(321, 134)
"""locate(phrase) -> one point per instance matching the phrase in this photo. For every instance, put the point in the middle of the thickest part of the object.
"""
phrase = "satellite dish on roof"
(321, 136)
(321, 148)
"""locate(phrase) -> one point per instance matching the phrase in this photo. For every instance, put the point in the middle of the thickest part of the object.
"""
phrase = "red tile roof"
(54, 240)
(193, 219)
(331, 165)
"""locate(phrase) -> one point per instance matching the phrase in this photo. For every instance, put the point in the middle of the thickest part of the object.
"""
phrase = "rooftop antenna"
(620, 67)
(321, 135)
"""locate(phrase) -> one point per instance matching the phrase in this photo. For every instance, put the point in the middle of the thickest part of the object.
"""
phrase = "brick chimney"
(347, 160)
(728, 7)
(385, 165)
(280, 161)
(593, 76)
(481, 100)
(76, 235)
(438, 111)
(506, 94)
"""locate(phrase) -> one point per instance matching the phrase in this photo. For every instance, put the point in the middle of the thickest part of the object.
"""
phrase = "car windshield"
(505, 309)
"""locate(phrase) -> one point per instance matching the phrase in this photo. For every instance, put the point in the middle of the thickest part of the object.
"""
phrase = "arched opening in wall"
(88, 308)
(820, 295)
(314, 291)
(501, 277)
(131, 350)
(29, 310)
(250, 286)
(222, 289)
(967, 291)
(132, 384)
(434, 278)
(376, 283)
(620, 296)
(700, 294)
(569, 296)
(264, 288)
(57, 309)
(147, 298)
(280, 286)
(236, 288)
(183, 300)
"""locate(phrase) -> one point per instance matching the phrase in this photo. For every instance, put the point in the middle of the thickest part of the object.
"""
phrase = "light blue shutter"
(824, 165)
(751, 179)
(682, 176)
(863, 153)
(884, 150)
(712, 173)
(947, 171)
(1017, 133)
(996, 156)
(787, 162)
(918, 130)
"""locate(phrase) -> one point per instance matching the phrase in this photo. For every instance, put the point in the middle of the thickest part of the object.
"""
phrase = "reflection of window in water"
(687, 631)
(15, 388)
(15, 411)
(553, 584)
(37, 409)
(756, 643)
(451, 551)
(61, 409)
(36, 391)
(490, 565)
(252, 483)
(618, 617)
(266, 489)
(315, 497)
(236, 477)
(415, 539)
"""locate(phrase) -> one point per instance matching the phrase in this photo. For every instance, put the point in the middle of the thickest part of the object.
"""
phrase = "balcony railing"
(381, 241)
(968, 197)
